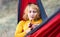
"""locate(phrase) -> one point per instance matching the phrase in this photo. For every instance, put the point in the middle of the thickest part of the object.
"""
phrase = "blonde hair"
(34, 6)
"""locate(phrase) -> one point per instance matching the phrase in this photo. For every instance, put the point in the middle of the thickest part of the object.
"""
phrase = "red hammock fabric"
(50, 29)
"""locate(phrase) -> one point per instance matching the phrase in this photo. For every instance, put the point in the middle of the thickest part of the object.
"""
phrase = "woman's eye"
(34, 11)
(29, 11)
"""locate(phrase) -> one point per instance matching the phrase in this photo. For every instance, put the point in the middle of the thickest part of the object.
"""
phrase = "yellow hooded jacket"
(23, 25)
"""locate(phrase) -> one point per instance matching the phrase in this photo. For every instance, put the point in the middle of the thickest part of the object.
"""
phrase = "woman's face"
(32, 13)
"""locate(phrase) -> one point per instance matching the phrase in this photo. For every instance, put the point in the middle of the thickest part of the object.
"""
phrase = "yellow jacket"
(23, 25)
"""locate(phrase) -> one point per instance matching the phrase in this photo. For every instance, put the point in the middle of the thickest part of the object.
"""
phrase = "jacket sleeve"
(19, 29)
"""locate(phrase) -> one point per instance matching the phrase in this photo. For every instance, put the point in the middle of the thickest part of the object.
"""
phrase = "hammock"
(49, 28)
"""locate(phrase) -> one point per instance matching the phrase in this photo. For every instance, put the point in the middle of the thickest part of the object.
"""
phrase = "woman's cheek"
(35, 15)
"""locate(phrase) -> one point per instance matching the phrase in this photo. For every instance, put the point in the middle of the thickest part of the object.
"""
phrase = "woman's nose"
(32, 12)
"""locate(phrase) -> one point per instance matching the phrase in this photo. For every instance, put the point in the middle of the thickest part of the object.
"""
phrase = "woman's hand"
(28, 30)
(31, 26)
(34, 26)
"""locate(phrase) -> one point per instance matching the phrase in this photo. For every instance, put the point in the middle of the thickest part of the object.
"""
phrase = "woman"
(31, 18)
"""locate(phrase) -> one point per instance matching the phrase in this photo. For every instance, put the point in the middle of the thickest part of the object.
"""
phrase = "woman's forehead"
(32, 9)
(31, 6)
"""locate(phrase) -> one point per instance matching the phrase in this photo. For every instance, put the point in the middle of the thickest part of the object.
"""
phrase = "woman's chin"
(32, 19)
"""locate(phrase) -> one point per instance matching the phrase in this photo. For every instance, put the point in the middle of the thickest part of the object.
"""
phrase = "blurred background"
(9, 12)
